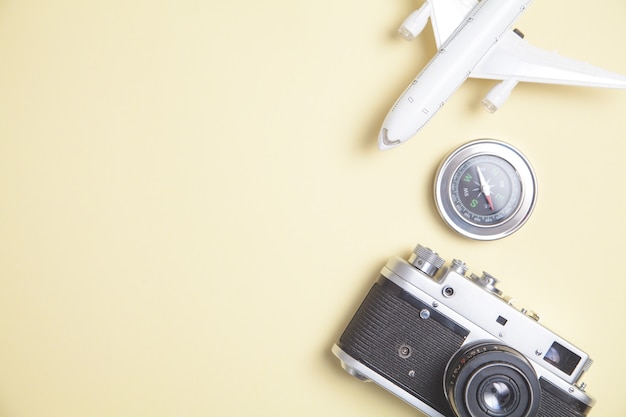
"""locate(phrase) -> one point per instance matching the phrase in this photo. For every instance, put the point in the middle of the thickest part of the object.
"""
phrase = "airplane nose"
(384, 142)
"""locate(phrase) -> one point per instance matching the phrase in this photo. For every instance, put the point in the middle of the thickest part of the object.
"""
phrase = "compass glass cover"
(485, 190)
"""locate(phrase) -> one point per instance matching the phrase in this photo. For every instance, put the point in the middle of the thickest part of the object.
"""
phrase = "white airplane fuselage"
(450, 67)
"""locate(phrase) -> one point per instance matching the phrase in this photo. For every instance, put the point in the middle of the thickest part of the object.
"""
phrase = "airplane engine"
(498, 95)
(415, 23)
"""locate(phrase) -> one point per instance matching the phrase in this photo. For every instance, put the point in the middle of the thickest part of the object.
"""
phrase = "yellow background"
(192, 204)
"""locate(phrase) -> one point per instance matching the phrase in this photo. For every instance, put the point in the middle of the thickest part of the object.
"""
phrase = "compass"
(485, 189)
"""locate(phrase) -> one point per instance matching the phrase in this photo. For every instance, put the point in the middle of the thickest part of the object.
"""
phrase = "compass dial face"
(485, 189)
(491, 201)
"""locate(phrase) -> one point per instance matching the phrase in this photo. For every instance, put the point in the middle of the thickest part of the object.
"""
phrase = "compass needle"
(485, 187)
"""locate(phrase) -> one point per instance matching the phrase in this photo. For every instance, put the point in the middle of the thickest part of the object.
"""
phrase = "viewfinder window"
(562, 358)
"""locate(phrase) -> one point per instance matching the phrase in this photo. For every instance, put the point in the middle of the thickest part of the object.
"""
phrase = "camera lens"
(498, 396)
(491, 380)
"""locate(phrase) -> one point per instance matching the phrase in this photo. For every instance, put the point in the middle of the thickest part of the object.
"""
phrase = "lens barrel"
(487, 379)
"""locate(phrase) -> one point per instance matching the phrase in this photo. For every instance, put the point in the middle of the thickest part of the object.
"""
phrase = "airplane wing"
(447, 15)
(513, 58)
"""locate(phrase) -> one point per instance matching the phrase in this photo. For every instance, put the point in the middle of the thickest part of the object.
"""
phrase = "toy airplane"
(474, 40)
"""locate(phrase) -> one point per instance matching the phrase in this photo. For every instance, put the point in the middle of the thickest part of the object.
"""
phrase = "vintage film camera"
(453, 345)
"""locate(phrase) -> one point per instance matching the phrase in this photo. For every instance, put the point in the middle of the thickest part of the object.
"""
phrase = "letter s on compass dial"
(485, 189)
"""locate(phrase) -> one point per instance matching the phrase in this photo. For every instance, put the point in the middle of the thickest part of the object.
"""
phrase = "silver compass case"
(485, 189)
